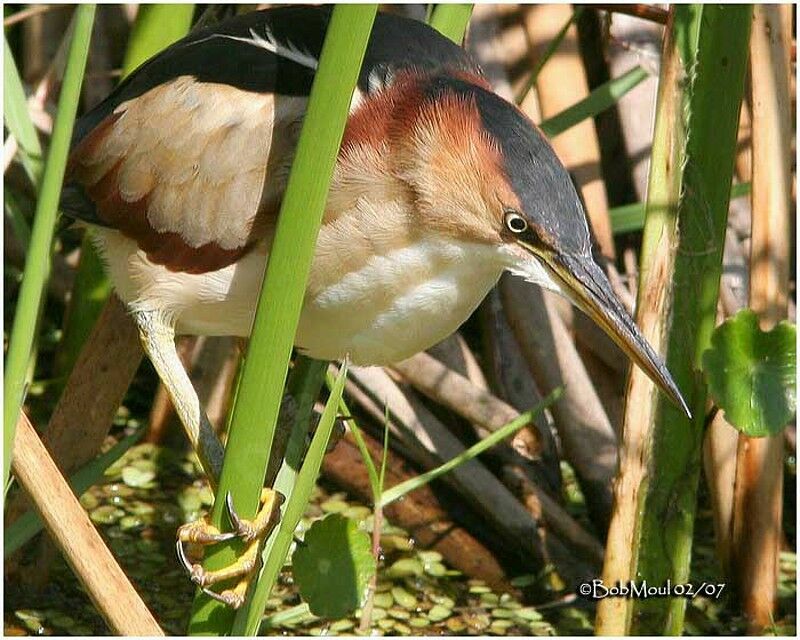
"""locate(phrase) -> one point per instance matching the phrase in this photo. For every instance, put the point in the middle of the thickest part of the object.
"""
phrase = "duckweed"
(383, 600)
(404, 598)
(439, 612)
(146, 499)
(405, 567)
(107, 514)
(399, 614)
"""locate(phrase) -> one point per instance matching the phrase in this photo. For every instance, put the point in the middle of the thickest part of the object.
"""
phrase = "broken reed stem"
(700, 91)
(758, 492)
(94, 390)
(81, 544)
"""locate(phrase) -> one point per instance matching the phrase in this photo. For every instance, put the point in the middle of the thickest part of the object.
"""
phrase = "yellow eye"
(515, 222)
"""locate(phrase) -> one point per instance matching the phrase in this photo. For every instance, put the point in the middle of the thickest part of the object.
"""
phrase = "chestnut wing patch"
(193, 172)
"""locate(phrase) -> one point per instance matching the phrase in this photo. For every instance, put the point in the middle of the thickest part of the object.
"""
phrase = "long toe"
(243, 568)
(202, 532)
(231, 597)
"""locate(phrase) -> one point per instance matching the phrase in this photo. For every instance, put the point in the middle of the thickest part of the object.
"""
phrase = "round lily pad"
(751, 373)
(333, 567)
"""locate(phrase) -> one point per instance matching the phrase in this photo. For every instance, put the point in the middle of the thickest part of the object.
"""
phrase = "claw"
(195, 571)
(236, 521)
(202, 532)
(182, 557)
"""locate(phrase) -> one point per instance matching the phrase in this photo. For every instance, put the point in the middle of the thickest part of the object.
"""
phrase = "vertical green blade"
(37, 264)
(259, 396)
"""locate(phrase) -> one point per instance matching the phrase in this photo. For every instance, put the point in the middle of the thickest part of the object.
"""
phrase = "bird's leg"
(158, 339)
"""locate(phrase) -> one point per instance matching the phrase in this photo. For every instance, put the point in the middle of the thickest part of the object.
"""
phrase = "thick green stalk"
(157, 26)
(296, 482)
(700, 92)
(258, 400)
(451, 20)
(37, 264)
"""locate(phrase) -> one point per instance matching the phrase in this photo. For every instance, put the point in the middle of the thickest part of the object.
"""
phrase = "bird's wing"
(189, 155)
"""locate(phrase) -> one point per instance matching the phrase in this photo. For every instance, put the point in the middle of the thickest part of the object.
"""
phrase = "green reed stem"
(37, 263)
(258, 400)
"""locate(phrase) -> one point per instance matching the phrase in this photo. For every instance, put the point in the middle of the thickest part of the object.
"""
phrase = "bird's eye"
(515, 222)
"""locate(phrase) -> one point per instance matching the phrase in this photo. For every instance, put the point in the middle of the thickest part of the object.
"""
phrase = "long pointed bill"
(589, 288)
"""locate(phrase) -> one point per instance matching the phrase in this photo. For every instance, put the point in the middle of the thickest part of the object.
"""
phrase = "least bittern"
(440, 186)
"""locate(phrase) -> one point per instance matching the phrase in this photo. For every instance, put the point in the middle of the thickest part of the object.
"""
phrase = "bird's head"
(482, 172)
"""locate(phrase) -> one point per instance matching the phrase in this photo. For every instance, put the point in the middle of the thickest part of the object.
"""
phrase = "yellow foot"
(252, 532)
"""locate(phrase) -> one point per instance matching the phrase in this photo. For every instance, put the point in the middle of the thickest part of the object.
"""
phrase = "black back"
(396, 44)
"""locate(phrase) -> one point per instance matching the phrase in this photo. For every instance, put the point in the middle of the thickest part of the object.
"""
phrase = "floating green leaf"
(333, 567)
(751, 373)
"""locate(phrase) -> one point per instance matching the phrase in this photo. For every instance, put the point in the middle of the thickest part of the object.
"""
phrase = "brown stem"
(452, 390)
(560, 84)
(81, 544)
(93, 392)
(758, 493)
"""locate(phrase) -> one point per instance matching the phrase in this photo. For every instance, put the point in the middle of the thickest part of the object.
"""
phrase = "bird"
(439, 187)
